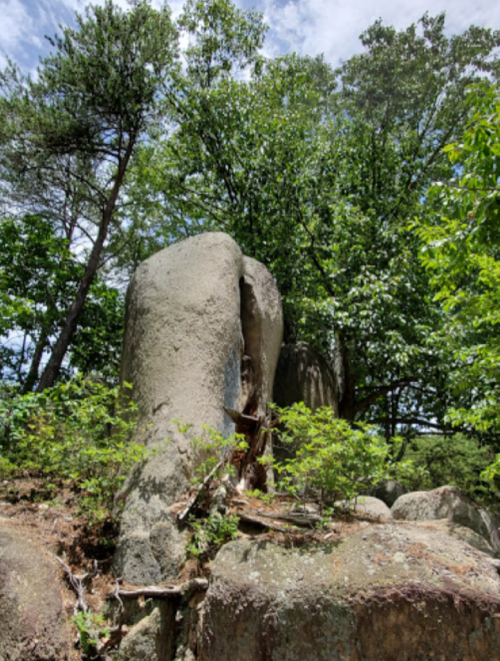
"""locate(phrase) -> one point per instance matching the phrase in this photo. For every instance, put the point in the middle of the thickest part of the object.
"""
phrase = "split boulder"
(203, 334)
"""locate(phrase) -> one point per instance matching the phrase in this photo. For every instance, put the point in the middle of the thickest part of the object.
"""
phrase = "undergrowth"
(76, 433)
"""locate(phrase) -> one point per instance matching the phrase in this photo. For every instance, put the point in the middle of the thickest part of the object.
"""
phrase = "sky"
(308, 27)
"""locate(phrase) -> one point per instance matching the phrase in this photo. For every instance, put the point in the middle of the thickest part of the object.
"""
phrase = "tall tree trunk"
(346, 388)
(32, 376)
(53, 367)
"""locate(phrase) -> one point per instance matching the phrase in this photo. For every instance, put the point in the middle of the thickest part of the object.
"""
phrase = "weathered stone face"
(303, 375)
(445, 502)
(391, 592)
(32, 620)
(203, 332)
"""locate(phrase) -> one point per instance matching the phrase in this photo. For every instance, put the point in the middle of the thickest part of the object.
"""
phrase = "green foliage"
(462, 243)
(91, 628)
(39, 276)
(214, 448)
(333, 459)
(68, 138)
(77, 432)
(458, 460)
(211, 533)
(318, 181)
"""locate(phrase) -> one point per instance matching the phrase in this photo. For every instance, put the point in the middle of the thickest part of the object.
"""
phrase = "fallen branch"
(264, 524)
(77, 583)
(191, 503)
(153, 592)
(300, 519)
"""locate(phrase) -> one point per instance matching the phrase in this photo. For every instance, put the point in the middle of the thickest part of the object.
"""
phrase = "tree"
(69, 138)
(462, 251)
(318, 174)
(38, 279)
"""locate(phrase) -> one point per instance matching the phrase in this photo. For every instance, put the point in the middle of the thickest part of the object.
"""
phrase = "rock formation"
(33, 624)
(445, 502)
(390, 592)
(203, 334)
(303, 375)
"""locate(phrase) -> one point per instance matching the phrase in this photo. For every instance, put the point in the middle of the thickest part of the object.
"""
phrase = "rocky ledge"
(390, 592)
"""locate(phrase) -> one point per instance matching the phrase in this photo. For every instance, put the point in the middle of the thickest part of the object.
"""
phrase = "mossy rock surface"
(389, 592)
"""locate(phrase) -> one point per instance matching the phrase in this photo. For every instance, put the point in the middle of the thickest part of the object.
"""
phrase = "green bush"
(77, 432)
(213, 448)
(91, 628)
(333, 460)
(458, 460)
(211, 533)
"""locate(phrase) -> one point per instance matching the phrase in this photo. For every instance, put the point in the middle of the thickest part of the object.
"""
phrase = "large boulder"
(366, 506)
(304, 375)
(203, 333)
(32, 620)
(445, 502)
(389, 592)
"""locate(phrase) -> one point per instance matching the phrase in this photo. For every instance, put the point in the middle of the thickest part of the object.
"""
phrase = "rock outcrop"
(32, 620)
(303, 375)
(203, 333)
(367, 506)
(390, 592)
(445, 502)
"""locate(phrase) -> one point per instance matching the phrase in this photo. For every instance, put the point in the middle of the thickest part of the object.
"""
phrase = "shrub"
(211, 533)
(458, 460)
(78, 432)
(333, 459)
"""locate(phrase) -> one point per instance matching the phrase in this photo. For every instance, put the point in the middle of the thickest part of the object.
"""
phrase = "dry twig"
(192, 502)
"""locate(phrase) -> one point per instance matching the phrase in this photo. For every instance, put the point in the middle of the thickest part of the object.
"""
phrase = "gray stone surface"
(199, 315)
(368, 505)
(262, 324)
(460, 532)
(32, 620)
(445, 502)
(389, 592)
(303, 375)
(151, 639)
(492, 522)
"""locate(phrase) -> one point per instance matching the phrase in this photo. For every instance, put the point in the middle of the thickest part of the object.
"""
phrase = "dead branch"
(241, 418)
(153, 592)
(191, 503)
(264, 524)
(77, 583)
(304, 519)
(116, 595)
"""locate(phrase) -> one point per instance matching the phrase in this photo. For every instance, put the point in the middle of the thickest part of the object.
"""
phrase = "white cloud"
(16, 26)
(309, 27)
(333, 27)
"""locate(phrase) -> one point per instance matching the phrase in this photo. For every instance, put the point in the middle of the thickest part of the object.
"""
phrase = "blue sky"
(309, 27)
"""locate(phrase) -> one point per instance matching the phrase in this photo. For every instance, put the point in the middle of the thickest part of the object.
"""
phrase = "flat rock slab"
(390, 592)
(32, 620)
